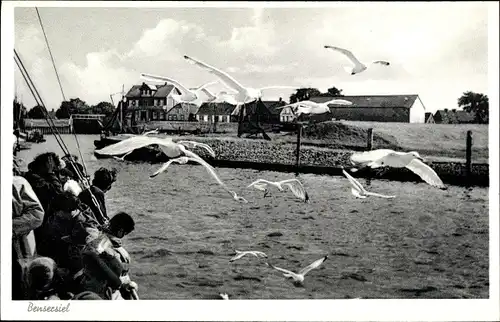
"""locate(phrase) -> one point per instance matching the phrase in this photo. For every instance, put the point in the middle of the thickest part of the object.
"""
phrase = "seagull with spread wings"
(188, 95)
(243, 94)
(389, 158)
(294, 184)
(240, 254)
(359, 191)
(298, 278)
(177, 152)
(310, 107)
(358, 66)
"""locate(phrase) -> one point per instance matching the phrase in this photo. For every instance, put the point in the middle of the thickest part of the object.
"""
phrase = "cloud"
(31, 48)
(259, 69)
(257, 39)
(98, 78)
(165, 41)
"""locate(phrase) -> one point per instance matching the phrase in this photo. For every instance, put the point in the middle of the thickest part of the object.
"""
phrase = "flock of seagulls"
(240, 94)
(180, 152)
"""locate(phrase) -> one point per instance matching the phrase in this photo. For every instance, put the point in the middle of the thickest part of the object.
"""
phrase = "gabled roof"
(222, 108)
(159, 90)
(389, 101)
(454, 116)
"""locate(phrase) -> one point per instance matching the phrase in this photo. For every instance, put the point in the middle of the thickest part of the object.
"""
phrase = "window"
(205, 118)
(174, 117)
(181, 117)
(143, 115)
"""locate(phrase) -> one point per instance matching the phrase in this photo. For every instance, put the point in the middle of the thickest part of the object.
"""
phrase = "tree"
(334, 91)
(36, 112)
(476, 103)
(303, 94)
(105, 108)
(73, 106)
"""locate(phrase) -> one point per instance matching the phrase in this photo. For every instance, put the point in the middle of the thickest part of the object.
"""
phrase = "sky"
(436, 50)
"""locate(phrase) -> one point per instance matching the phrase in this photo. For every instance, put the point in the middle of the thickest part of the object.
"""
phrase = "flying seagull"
(359, 191)
(310, 107)
(389, 158)
(358, 66)
(240, 254)
(188, 95)
(221, 97)
(294, 184)
(170, 148)
(298, 278)
(243, 94)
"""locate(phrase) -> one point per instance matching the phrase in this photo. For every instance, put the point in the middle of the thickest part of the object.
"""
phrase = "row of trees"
(73, 106)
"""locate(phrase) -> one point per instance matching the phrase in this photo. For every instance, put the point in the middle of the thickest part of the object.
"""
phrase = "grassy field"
(436, 141)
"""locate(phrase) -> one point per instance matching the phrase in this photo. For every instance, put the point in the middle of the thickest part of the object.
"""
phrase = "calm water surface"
(426, 243)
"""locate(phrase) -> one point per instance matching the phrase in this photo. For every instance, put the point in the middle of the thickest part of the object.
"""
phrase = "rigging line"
(60, 86)
(32, 90)
(36, 95)
(61, 143)
(50, 53)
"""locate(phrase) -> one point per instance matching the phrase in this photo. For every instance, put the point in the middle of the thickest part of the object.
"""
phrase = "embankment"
(281, 156)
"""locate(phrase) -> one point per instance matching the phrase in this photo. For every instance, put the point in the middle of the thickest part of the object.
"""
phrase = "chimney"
(280, 99)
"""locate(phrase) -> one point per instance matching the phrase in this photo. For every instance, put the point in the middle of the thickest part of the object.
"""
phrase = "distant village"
(145, 103)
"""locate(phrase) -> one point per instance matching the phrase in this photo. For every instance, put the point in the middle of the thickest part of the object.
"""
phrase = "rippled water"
(426, 243)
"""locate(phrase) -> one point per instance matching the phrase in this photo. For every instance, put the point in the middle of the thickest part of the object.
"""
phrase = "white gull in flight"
(310, 107)
(240, 254)
(243, 94)
(188, 95)
(171, 149)
(358, 66)
(298, 278)
(389, 158)
(294, 184)
(359, 191)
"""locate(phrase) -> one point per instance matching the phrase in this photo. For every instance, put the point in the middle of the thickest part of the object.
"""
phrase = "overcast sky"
(436, 50)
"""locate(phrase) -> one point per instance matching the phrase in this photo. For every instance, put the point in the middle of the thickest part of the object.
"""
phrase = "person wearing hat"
(102, 182)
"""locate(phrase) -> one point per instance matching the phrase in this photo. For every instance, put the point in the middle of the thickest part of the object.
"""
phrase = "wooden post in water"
(369, 139)
(297, 159)
(468, 154)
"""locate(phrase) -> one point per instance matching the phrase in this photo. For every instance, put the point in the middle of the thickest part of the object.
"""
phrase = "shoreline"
(279, 156)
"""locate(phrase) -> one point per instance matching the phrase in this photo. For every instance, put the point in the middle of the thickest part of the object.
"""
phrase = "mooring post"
(297, 160)
(468, 154)
(369, 139)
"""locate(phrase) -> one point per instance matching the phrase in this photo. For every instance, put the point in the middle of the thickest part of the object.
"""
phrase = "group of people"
(64, 245)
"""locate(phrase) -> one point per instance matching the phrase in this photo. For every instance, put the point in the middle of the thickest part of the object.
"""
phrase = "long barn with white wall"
(378, 108)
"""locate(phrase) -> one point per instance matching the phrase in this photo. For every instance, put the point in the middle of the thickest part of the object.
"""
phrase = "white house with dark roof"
(378, 108)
